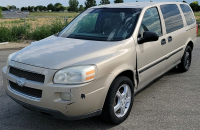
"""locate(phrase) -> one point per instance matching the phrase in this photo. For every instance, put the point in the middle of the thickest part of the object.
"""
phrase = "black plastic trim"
(174, 53)
(54, 113)
(165, 58)
(148, 67)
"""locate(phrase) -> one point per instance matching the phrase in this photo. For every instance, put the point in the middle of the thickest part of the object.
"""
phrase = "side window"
(172, 17)
(151, 22)
(188, 14)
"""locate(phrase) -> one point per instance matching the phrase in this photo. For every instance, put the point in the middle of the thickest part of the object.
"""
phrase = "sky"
(26, 3)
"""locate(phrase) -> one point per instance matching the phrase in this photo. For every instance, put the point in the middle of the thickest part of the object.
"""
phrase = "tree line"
(74, 6)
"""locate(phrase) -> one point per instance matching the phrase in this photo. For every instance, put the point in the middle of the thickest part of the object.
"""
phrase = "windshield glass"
(103, 24)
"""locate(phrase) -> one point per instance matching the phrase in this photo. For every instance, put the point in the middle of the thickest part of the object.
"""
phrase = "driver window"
(150, 22)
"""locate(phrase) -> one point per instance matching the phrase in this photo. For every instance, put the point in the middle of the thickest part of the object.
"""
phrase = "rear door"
(190, 20)
(151, 55)
(175, 32)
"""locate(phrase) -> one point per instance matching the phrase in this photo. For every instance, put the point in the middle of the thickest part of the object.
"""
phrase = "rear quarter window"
(172, 17)
(188, 14)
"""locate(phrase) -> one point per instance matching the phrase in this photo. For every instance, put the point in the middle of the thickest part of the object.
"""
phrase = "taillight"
(197, 29)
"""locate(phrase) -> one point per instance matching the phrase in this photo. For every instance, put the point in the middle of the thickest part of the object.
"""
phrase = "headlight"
(75, 75)
(9, 58)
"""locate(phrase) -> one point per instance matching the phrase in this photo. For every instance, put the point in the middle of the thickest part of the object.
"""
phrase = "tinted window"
(172, 17)
(103, 24)
(188, 14)
(151, 22)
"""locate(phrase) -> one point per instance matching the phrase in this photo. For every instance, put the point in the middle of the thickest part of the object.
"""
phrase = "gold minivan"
(96, 64)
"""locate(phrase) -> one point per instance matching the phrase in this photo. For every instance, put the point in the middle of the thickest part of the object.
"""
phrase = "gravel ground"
(171, 102)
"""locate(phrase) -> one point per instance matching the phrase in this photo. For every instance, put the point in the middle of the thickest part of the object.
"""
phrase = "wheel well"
(127, 73)
(191, 44)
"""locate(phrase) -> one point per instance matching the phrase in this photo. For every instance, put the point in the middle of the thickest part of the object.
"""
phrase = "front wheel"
(186, 60)
(119, 100)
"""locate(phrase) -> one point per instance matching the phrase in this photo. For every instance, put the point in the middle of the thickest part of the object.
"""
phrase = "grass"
(33, 28)
(28, 32)
(52, 14)
(33, 22)
(197, 16)
(0, 13)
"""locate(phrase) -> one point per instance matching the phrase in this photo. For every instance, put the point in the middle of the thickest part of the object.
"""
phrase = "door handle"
(169, 38)
(163, 42)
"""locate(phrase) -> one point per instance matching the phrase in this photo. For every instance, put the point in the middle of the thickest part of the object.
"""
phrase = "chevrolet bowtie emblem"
(21, 82)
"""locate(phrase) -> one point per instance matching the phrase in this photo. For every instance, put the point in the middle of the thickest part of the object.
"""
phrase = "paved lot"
(14, 15)
(171, 102)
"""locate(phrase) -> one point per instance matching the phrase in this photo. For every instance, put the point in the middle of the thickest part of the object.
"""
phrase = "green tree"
(73, 5)
(44, 8)
(8, 6)
(13, 7)
(35, 8)
(90, 3)
(103, 2)
(32, 8)
(81, 8)
(194, 5)
(4, 8)
(22, 8)
(118, 1)
(62, 8)
(57, 4)
(50, 7)
(40, 7)
(29, 9)
(196, 2)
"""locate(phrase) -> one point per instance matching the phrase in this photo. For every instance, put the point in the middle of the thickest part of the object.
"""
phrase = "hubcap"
(187, 63)
(122, 100)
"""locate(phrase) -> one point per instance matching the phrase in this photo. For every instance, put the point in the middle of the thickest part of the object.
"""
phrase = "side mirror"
(148, 36)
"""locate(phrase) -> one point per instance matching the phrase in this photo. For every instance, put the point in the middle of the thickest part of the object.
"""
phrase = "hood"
(57, 52)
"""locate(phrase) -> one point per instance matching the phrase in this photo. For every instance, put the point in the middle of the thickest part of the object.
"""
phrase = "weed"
(21, 32)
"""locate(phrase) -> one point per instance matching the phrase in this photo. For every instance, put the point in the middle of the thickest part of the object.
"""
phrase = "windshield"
(103, 24)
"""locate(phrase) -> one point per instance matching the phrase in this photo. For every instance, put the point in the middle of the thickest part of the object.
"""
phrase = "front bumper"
(51, 103)
(54, 113)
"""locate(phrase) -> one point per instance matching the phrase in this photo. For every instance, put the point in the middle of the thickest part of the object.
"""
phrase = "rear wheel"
(119, 100)
(186, 60)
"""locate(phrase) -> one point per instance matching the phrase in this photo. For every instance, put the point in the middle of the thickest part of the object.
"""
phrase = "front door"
(151, 55)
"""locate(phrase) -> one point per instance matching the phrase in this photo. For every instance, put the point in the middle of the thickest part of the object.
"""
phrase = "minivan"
(96, 64)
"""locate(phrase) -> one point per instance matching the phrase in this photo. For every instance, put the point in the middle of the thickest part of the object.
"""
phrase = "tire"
(120, 96)
(186, 60)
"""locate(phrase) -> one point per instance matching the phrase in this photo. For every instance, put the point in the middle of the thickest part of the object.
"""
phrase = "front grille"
(27, 75)
(26, 90)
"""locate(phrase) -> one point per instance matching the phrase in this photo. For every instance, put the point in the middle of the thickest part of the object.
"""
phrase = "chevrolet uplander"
(96, 64)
